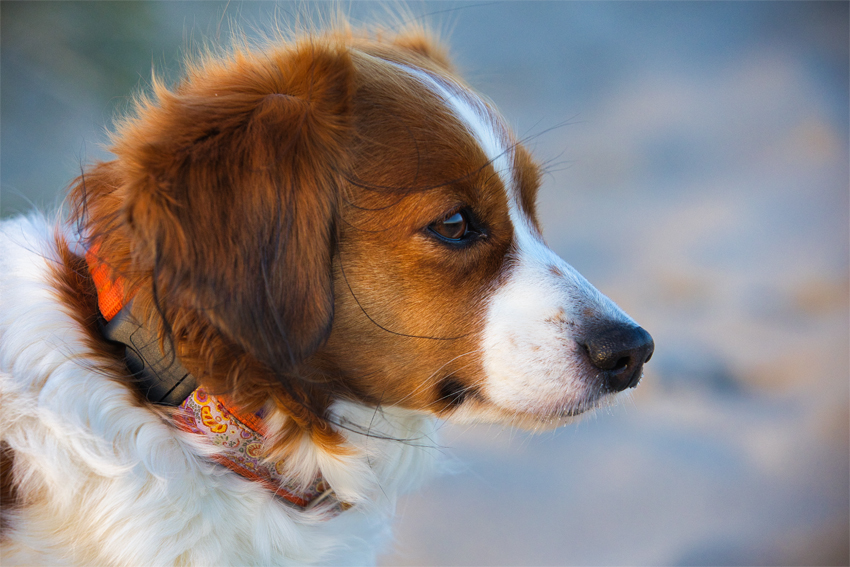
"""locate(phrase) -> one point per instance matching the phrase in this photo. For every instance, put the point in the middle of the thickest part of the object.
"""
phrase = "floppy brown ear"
(232, 182)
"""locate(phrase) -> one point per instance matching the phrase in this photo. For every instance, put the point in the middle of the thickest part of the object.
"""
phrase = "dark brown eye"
(453, 228)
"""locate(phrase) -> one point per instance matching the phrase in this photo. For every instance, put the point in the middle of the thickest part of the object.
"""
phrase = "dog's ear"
(232, 185)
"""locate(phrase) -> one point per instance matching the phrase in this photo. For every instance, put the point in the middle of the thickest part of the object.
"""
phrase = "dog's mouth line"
(549, 413)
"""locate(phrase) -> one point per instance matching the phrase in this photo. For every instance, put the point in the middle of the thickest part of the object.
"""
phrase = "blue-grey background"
(697, 173)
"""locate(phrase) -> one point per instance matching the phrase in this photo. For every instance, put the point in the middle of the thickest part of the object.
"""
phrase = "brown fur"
(269, 214)
(73, 284)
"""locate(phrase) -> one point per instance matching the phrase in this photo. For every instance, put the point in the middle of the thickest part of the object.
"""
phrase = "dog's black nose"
(619, 350)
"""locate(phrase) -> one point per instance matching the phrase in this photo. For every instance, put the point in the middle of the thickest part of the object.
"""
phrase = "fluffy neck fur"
(113, 480)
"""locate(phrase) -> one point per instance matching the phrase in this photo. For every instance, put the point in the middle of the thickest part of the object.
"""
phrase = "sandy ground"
(697, 159)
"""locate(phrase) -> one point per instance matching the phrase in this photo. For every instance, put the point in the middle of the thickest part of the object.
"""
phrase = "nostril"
(621, 363)
(620, 351)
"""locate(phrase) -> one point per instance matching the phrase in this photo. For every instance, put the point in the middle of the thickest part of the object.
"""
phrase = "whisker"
(363, 310)
(435, 373)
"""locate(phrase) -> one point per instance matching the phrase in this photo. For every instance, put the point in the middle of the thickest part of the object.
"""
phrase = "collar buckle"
(155, 367)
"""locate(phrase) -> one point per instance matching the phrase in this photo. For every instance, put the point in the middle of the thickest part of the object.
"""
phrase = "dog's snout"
(620, 351)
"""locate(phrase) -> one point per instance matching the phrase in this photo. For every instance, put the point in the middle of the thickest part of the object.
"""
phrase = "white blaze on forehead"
(485, 126)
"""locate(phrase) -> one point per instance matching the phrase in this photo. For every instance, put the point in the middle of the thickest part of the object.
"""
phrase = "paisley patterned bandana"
(240, 437)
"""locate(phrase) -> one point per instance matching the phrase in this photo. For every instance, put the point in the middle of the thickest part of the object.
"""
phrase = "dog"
(236, 346)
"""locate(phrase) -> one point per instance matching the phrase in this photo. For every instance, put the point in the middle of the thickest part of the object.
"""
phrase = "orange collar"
(165, 381)
(110, 290)
(157, 372)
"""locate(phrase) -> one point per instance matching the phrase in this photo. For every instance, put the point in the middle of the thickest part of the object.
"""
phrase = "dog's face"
(447, 298)
(348, 213)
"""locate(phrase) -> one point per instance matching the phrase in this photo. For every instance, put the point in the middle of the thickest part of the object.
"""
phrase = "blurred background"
(697, 173)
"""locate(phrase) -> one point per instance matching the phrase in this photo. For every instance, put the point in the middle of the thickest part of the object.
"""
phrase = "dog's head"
(343, 217)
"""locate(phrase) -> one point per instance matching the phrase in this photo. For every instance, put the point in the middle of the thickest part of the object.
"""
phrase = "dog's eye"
(453, 228)
(460, 228)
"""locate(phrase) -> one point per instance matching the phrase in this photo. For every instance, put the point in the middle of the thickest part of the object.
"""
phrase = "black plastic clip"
(158, 373)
